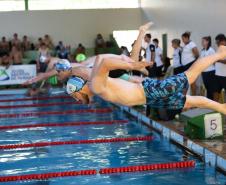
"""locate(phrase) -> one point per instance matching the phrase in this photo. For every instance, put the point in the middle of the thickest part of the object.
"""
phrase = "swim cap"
(80, 57)
(62, 65)
(75, 84)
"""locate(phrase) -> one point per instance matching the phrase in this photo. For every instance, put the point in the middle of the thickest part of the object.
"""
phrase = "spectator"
(5, 60)
(63, 53)
(80, 50)
(150, 55)
(59, 46)
(99, 43)
(177, 65)
(158, 58)
(25, 44)
(124, 51)
(4, 46)
(43, 58)
(40, 41)
(16, 41)
(208, 76)
(16, 55)
(48, 41)
(220, 68)
(190, 54)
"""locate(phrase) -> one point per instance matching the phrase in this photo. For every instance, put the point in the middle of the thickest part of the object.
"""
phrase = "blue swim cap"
(63, 65)
(75, 84)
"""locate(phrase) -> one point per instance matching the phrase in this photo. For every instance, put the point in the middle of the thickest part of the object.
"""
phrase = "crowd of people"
(185, 54)
(12, 51)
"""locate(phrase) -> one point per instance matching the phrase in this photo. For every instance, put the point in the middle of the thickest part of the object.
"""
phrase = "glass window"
(81, 4)
(12, 5)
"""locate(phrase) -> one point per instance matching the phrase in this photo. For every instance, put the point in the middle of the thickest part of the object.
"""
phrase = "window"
(81, 4)
(130, 35)
(12, 5)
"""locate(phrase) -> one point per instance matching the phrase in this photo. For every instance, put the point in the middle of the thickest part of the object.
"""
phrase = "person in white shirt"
(177, 63)
(220, 67)
(150, 56)
(190, 54)
(158, 58)
(208, 76)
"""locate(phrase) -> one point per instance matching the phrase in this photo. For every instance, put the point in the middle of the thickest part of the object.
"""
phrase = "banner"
(16, 74)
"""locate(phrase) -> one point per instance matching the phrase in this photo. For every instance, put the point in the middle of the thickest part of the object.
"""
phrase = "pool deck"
(212, 152)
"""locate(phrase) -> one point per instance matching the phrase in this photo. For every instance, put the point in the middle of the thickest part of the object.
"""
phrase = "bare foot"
(146, 26)
(222, 51)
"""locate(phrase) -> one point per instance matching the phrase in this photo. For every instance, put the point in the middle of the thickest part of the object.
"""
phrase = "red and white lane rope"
(76, 142)
(138, 168)
(31, 114)
(65, 124)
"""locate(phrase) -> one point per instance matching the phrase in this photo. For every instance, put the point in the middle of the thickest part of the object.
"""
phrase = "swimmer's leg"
(203, 63)
(138, 43)
(203, 102)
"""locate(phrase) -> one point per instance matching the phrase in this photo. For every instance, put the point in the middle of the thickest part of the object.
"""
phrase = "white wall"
(202, 17)
(71, 26)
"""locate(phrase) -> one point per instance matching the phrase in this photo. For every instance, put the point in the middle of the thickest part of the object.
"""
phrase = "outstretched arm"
(103, 66)
(40, 77)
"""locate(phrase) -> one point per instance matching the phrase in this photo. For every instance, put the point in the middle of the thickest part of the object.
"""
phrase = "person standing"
(158, 58)
(190, 54)
(150, 56)
(208, 76)
(220, 68)
(177, 54)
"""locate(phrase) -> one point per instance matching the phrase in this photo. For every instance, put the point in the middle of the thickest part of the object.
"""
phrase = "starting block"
(203, 124)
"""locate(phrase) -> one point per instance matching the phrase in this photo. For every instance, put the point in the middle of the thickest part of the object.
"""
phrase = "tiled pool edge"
(209, 157)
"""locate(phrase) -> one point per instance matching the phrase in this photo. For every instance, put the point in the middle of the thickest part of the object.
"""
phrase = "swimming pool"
(89, 156)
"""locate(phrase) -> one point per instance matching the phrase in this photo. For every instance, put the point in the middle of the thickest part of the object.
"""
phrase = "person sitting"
(80, 50)
(25, 44)
(59, 46)
(16, 55)
(40, 41)
(16, 41)
(63, 53)
(48, 41)
(99, 43)
(43, 58)
(6, 60)
(4, 46)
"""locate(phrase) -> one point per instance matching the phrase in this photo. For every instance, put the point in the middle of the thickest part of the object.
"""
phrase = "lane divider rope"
(36, 98)
(45, 176)
(76, 142)
(39, 105)
(65, 124)
(183, 164)
(31, 114)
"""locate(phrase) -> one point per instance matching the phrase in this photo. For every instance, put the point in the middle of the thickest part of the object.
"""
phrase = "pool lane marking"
(75, 142)
(138, 168)
(31, 114)
(39, 105)
(36, 98)
(66, 124)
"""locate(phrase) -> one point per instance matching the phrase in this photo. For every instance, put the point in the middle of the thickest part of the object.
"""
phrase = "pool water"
(92, 156)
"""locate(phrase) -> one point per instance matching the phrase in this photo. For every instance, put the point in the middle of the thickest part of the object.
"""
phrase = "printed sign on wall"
(16, 74)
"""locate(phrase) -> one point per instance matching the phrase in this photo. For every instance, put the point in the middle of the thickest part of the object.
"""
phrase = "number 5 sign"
(213, 125)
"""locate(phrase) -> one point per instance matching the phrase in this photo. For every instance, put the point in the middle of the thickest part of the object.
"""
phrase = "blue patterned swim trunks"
(169, 93)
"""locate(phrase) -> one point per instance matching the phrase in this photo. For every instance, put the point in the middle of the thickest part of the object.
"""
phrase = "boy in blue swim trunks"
(169, 93)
